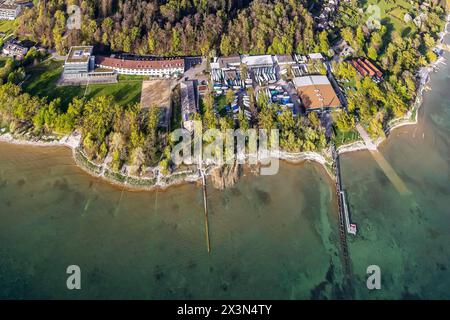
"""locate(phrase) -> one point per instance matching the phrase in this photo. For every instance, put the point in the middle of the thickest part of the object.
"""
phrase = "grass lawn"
(349, 84)
(393, 13)
(342, 138)
(7, 26)
(43, 77)
(3, 61)
(131, 77)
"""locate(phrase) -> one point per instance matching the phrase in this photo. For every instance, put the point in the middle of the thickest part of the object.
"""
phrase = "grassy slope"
(3, 61)
(393, 13)
(43, 78)
(7, 26)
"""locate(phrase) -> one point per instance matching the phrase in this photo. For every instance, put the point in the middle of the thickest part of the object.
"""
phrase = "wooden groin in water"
(205, 206)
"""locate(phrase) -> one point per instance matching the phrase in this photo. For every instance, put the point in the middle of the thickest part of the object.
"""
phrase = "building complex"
(79, 68)
(303, 86)
(14, 49)
(283, 79)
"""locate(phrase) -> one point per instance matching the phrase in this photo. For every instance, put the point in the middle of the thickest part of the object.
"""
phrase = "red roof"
(373, 67)
(202, 87)
(138, 64)
(360, 69)
(366, 68)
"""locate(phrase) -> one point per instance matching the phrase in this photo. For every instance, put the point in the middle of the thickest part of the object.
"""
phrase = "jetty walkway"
(365, 136)
(345, 225)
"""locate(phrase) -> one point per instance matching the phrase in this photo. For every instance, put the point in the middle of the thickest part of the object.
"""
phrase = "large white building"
(241, 71)
(258, 61)
(144, 66)
(79, 68)
(9, 10)
(15, 50)
(78, 62)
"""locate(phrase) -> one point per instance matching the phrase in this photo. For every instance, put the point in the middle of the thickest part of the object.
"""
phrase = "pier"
(365, 136)
(345, 225)
(351, 227)
(205, 207)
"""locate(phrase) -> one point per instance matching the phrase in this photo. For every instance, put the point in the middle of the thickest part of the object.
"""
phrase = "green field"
(340, 138)
(7, 26)
(131, 77)
(3, 61)
(393, 13)
(43, 78)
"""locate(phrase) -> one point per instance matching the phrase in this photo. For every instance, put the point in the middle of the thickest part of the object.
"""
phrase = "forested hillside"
(175, 27)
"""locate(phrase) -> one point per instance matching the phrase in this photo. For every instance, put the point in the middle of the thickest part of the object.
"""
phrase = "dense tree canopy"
(174, 27)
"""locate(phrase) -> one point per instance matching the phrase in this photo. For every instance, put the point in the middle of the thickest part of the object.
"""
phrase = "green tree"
(323, 42)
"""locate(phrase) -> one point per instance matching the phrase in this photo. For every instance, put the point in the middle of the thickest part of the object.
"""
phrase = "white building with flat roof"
(14, 50)
(78, 61)
(284, 59)
(315, 56)
(79, 68)
(310, 81)
(9, 10)
(258, 61)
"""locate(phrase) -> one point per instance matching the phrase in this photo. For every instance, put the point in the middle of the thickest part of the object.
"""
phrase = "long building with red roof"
(366, 68)
(155, 67)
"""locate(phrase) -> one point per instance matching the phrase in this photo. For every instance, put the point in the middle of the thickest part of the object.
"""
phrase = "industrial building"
(284, 60)
(242, 71)
(316, 93)
(189, 103)
(226, 73)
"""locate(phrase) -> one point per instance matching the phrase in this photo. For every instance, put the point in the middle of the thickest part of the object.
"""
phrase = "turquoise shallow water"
(272, 237)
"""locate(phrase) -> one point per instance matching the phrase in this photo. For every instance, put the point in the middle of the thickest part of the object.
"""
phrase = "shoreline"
(164, 182)
(187, 177)
(298, 158)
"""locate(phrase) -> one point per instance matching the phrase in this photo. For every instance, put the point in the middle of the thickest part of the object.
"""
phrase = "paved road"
(336, 87)
(327, 123)
(195, 69)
